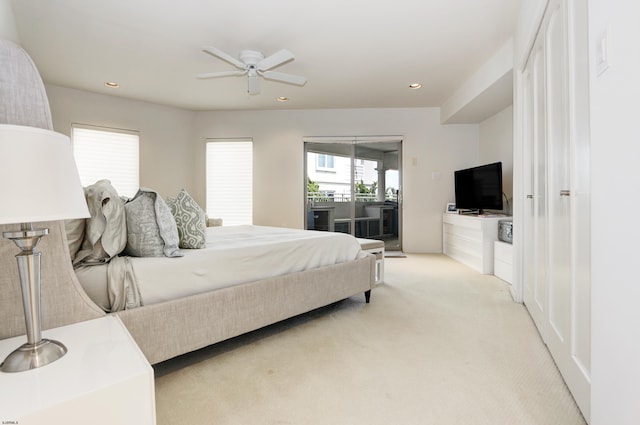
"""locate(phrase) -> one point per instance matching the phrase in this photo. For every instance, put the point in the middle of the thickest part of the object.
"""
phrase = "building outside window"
(325, 162)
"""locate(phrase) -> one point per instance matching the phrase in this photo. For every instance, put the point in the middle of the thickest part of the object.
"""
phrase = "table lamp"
(38, 182)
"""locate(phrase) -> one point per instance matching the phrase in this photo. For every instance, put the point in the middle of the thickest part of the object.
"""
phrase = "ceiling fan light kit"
(253, 85)
(253, 64)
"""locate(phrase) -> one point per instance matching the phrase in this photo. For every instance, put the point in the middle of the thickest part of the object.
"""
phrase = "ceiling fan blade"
(275, 59)
(224, 56)
(220, 74)
(285, 78)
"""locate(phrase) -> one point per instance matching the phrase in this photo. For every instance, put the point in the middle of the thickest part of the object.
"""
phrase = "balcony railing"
(345, 197)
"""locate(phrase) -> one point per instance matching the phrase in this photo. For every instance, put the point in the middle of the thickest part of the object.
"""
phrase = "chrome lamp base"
(36, 352)
(30, 356)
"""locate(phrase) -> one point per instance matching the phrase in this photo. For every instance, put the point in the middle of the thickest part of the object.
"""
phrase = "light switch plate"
(603, 54)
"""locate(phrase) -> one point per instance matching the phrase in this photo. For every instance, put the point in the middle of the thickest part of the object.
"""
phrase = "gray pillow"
(151, 229)
(190, 219)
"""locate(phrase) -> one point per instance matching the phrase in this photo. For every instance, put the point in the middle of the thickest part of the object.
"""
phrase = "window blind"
(229, 180)
(107, 154)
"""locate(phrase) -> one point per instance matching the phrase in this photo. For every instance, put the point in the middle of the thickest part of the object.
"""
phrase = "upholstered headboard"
(23, 101)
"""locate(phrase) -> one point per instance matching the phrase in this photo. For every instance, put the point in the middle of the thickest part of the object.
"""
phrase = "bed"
(167, 326)
(233, 255)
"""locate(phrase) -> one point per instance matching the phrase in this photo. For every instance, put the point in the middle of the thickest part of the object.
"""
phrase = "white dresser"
(470, 240)
(103, 379)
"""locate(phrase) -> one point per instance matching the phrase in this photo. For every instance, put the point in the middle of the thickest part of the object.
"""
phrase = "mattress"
(233, 255)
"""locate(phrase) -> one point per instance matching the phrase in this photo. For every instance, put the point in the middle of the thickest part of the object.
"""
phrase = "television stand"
(469, 239)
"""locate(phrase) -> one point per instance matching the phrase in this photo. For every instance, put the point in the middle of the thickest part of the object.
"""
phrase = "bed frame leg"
(367, 296)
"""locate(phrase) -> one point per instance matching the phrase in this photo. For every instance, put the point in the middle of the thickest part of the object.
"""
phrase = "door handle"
(565, 193)
(529, 196)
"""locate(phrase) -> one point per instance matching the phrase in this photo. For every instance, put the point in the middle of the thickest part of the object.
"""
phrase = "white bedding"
(234, 255)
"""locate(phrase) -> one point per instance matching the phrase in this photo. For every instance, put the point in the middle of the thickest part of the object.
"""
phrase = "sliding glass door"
(353, 186)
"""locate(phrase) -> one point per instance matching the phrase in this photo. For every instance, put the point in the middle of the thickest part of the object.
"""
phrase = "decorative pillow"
(214, 222)
(190, 219)
(151, 229)
(106, 229)
(75, 235)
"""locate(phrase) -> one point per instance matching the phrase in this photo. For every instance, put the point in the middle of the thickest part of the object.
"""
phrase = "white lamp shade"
(38, 177)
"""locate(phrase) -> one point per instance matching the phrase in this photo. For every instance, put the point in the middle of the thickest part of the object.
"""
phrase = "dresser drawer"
(463, 244)
(463, 221)
(470, 259)
(463, 232)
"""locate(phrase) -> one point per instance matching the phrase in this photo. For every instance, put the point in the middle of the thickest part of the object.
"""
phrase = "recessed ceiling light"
(282, 99)
(112, 85)
(415, 86)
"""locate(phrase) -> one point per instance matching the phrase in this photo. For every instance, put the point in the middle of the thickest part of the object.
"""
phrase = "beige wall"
(428, 148)
(8, 29)
(496, 144)
(165, 151)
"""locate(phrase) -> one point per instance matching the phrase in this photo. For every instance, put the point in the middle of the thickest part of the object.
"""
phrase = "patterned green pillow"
(190, 219)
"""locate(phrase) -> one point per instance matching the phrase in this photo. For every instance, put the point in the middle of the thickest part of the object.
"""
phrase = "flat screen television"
(479, 188)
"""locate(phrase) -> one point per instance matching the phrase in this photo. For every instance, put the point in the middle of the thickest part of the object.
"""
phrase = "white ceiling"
(354, 53)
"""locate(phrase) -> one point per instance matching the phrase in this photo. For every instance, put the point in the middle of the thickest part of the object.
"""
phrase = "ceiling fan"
(253, 64)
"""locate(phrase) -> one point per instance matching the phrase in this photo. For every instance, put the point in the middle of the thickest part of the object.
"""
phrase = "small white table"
(503, 260)
(103, 379)
(375, 247)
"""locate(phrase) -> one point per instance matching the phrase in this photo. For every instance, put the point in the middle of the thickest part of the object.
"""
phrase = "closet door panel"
(558, 170)
(538, 303)
(528, 231)
(580, 186)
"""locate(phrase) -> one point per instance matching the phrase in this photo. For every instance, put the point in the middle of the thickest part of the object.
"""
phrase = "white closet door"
(558, 166)
(567, 327)
(556, 293)
(535, 296)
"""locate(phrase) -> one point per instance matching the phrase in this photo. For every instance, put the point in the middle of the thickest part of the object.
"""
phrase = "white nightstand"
(103, 379)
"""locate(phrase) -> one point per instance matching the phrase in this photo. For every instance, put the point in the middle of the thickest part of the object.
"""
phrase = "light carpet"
(439, 344)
